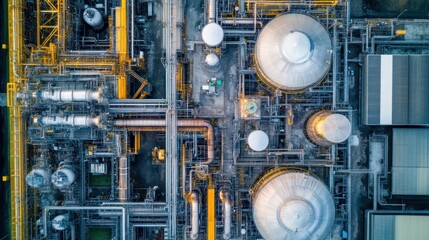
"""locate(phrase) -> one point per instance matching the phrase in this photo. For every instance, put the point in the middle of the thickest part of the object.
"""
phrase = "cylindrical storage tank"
(64, 176)
(293, 52)
(37, 178)
(227, 213)
(212, 34)
(292, 205)
(194, 200)
(73, 120)
(69, 95)
(93, 18)
(212, 62)
(123, 179)
(61, 222)
(325, 128)
(258, 140)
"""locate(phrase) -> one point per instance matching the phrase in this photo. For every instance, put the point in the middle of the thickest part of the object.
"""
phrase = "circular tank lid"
(296, 47)
(336, 128)
(212, 59)
(293, 205)
(293, 52)
(251, 107)
(212, 34)
(258, 140)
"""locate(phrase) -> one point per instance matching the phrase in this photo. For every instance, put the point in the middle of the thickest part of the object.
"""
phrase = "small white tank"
(258, 140)
(212, 34)
(61, 222)
(37, 178)
(63, 177)
(212, 62)
(93, 18)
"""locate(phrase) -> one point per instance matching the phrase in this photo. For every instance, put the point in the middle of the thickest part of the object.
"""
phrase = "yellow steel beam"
(122, 47)
(211, 213)
(16, 123)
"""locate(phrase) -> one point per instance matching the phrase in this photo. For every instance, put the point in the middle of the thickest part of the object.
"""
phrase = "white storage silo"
(293, 52)
(325, 128)
(292, 205)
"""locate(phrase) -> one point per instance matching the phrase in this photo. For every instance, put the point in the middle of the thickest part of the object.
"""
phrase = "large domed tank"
(325, 128)
(61, 222)
(37, 178)
(63, 177)
(293, 52)
(292, 205)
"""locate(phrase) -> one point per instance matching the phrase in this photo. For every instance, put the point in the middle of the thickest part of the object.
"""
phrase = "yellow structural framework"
(16, 124)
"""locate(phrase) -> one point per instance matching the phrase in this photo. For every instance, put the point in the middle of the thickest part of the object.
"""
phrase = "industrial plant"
(214, 119)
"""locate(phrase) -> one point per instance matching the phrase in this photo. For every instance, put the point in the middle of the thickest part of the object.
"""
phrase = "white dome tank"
(258, 140)
(60, 222)
(212, 34)
(292, 205)
(293, 52)
(325, 128)
(93, 17)
(63, 177)
(37, 178)
(212, 63)
(212, 60)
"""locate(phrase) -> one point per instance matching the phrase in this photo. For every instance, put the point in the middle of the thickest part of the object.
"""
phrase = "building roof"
(395, 90)
(396, 226)
(410, 161)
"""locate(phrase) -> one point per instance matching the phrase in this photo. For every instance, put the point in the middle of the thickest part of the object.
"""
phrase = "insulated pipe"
(123, 179)
(237, 21)
(181, 123)
(69, 95)
(72, 120)
(226, 206)
(194, 215)
(211, 11)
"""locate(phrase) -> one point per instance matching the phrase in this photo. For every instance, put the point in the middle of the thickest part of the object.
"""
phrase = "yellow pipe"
(122, 48)
(211, 212)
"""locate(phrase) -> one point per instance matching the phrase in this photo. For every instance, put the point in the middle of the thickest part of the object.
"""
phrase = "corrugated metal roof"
(398, 227)
(395, 90)
(410, 161)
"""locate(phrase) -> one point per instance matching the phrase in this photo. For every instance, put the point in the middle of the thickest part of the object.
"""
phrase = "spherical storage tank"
(292, 205)
(212, 34)
(258, 140)
(293, 52)
(93, 18)
(325, 128)
(63, 177)
(37, 178)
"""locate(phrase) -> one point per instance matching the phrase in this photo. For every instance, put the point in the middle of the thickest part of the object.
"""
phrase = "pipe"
(244, 21)
(211, 11)
(72, 120)
(188, 124)
(123, 179)
(69, 95)
(194, 215)
(225, 198)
